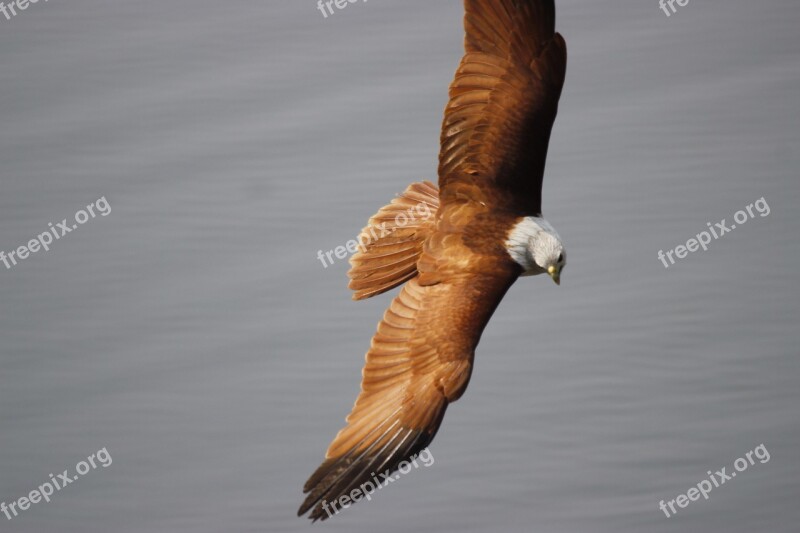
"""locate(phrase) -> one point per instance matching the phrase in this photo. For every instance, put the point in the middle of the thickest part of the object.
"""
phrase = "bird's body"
(456, 266)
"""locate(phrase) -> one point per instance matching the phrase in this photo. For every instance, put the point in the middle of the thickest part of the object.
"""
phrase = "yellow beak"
(555, 274)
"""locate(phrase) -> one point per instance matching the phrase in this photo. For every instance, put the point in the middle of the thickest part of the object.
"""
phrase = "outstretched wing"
(503, 102)
(419, 361)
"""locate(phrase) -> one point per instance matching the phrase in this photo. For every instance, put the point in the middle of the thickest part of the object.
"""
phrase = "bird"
(486, 231)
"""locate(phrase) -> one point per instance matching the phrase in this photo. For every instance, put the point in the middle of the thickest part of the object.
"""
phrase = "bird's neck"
(520, 238)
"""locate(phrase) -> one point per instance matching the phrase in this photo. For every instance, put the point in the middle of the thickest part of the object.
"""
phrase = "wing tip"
(347, 474)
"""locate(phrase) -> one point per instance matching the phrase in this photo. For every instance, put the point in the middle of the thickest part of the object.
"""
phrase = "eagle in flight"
(486, 230)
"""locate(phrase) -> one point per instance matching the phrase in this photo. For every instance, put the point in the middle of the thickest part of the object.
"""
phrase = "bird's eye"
(560, 258)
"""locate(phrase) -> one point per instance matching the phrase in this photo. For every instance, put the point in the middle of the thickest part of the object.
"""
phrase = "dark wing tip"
(340, 476)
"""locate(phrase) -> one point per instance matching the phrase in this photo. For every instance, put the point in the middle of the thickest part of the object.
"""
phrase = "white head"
(535, 245)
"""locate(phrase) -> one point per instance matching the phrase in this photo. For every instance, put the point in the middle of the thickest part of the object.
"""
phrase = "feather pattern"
(455, 266)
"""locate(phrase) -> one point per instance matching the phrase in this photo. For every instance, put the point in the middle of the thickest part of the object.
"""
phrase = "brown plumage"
(391, 243)
(455, 265)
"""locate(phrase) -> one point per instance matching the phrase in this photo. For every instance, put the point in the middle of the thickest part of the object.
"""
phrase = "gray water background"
(194, 333)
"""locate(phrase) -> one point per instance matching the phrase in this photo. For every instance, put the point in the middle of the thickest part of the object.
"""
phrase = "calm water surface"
(193, 333)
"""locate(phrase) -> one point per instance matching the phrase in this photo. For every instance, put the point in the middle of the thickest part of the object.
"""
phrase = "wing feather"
(503, 101)
(419, 361)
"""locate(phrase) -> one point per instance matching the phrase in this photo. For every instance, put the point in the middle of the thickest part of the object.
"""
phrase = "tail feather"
(391, 243)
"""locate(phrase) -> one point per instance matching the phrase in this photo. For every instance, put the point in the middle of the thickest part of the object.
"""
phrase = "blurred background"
(194, 333)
